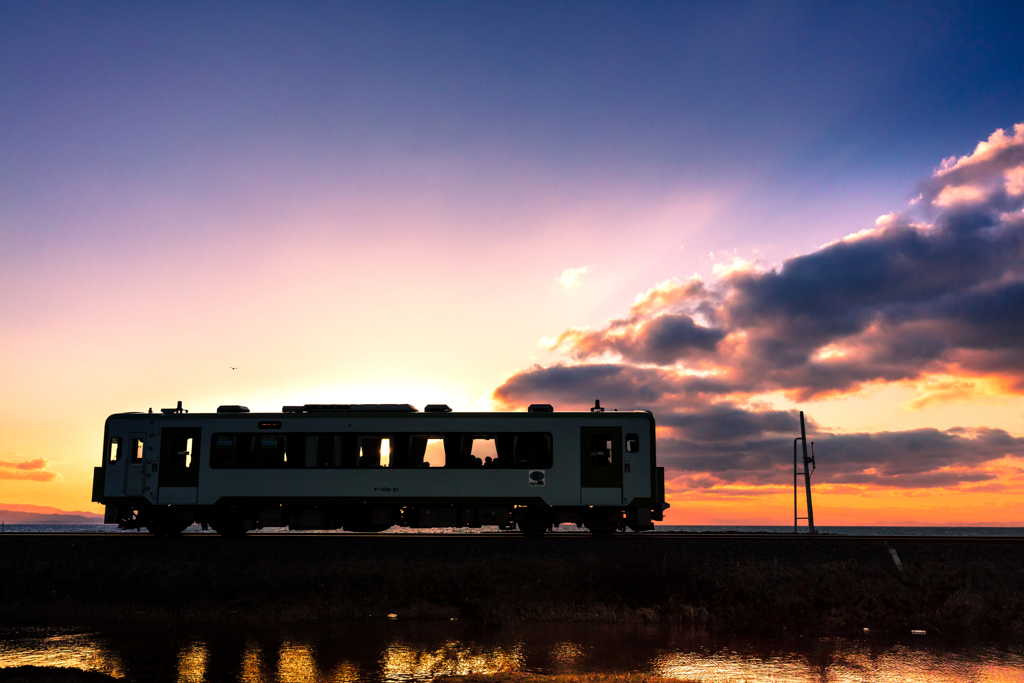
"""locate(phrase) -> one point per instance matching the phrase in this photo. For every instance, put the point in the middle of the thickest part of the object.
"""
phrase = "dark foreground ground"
(36, 674)
(748, 584)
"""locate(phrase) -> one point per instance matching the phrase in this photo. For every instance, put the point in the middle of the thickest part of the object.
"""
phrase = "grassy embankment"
(751, 585)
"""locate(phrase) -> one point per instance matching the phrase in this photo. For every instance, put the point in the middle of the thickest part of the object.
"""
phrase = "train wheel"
(601, 527)
(367, 528)
(166, 525)
(534, 524)
(229, 527)
(361, 520)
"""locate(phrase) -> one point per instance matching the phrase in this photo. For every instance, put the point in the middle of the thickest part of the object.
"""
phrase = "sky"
(721, 212)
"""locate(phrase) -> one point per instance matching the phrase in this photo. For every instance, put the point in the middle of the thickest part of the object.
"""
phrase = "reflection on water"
(57, 647)
(567, 654)
(846, 662)
(382, 651)
(252, 666)
(192, 663)
(403, 662)
(295, 664)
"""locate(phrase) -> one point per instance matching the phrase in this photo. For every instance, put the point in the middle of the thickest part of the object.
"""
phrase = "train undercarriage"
(236, 520)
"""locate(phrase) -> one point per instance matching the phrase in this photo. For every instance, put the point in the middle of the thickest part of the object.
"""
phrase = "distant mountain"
(15, 517)
(46, 510)
(41, 514)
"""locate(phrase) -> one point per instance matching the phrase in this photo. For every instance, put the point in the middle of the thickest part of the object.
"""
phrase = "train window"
(470, 451)
(322, 450)
(600, 450)
(458, 451)
(370, 451)
(270, 451)
(466, 451)
(415, 451)
(505, 445)
(229, 450)
(532, 451)
(188, 452)
(405, 451)
(395, 451)
(433, 455)
(485, 452)
(115, 448)
(349, 444)
(632, 443)
(136, 450)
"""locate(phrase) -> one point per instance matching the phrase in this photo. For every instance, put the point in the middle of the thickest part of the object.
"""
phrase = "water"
(398, 650)
(570, 528)
(392, 650)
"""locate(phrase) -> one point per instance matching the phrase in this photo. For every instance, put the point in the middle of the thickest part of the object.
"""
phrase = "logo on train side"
(537, 477)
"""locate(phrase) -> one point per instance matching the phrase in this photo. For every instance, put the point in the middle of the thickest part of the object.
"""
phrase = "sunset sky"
(721, 212)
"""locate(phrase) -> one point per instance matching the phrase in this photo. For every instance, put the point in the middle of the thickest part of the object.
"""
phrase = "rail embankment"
(808, 585)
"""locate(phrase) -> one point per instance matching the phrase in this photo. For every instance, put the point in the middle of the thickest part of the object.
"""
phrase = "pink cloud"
(27, 470)
(902, 300)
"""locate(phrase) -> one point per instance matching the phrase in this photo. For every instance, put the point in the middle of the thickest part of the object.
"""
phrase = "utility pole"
(807, 460)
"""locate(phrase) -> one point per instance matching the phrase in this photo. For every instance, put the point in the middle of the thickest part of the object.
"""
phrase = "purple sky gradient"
(375, 202)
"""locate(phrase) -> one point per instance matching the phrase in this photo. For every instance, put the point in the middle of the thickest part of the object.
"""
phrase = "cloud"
(615, 383)
(936, 292)
(27, 470)
(920, 458)
(570, 277)
(733, 444)
(898, 301)
(663, 339)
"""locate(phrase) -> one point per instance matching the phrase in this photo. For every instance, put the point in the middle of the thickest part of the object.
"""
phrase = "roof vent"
(353, 408)
(437, 408)
(232, 409)
(173, 411)
(540, 408)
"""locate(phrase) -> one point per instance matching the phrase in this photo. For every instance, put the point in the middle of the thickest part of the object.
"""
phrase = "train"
(370, 467)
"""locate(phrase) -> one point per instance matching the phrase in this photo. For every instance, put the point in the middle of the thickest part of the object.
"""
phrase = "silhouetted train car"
(370, 467)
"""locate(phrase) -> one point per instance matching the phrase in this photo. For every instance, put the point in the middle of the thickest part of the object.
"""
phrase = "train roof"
(389, 409)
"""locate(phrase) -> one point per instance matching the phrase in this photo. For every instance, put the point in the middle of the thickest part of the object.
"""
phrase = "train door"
(601, 465)
(178, 478)
(115, 456)
(135, 481)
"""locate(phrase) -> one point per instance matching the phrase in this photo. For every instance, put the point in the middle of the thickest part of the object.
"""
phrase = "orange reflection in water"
(843, 662)
(296, 663)
(292, 660)
(192, 663)
(401, 662)
(76, 650)
(567, 654)
(252, 666)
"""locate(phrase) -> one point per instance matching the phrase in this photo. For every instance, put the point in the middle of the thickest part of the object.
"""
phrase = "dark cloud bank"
(937, 291)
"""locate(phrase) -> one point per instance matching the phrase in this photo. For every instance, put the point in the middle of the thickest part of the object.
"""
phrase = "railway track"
(556, 536)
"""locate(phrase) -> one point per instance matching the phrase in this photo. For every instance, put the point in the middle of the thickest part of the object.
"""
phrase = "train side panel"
(164, 464)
